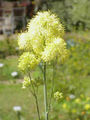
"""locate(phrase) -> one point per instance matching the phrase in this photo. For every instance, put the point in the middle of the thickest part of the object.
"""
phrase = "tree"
(75, 13)
(41, 5)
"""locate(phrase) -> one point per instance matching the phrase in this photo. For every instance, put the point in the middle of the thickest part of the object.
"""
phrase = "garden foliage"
(74, 13)
(75, 69)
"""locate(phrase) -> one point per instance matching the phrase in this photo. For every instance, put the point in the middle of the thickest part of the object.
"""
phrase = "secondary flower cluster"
(42, 41)
(27, 82)
(58, 96)
(27, 61)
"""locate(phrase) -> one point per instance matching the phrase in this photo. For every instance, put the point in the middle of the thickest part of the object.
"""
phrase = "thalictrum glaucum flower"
(26, 82)
(58, 95)
(24, 41)
(42, 28)
(44, 33)
(54, 49)
(27, 62)
(42, 42)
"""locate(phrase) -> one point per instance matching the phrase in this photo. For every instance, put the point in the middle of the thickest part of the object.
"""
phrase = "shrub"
(8, 47)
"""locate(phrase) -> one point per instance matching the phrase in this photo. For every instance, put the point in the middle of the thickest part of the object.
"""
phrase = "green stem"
(37, 107)
(52, 89)
(45, 92)
(35, 96)
(19, 114)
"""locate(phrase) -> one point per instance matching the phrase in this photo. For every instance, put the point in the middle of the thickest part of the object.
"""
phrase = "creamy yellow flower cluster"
(27, 62)
(42, 41)
(55, 49)
(58, 96)
(27, 82)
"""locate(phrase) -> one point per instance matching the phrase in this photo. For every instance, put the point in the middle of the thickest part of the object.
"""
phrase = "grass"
(13, 95)
(10, 65)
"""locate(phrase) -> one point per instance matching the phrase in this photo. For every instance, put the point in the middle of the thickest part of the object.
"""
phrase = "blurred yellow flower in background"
(74, 110)
(77, 119)
(87, 106)
(88, 98)
(82, 96)
(77, 100)
(64, 106)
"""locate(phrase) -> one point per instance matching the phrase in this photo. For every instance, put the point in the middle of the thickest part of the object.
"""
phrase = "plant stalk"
(45, 93)
(37, 107)
(52, 89)
(35, 96)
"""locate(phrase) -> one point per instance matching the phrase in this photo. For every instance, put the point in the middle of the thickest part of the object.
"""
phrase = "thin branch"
(35, 96)
(31, 91)
(45, 92)
(40, 66)
(52, 89)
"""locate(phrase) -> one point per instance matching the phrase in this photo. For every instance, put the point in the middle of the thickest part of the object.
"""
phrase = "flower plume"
(43, 40)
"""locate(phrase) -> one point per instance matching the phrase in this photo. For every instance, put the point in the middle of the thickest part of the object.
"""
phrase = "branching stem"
(45, 92)
(35, 96)
(52, 89)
